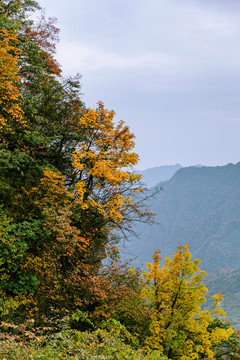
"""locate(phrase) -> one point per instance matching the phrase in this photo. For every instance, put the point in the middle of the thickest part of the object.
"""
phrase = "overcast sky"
(169, 68)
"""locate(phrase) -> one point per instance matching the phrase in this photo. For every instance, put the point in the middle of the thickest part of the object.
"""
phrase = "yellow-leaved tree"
(11, 115)
(105, 151)
(105, 183)
(179, 328)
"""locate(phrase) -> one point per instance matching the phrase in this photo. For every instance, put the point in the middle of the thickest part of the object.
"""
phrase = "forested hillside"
(67, 184)
(228, 283)
(198, 206)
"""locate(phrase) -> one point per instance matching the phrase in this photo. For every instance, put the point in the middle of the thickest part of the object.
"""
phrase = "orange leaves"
(102, 161)
(53, 189)
(45, 35)
(106, 145)
(11, 113)
(156, 258)
(153, 268)
(58, 255)
(56, 203)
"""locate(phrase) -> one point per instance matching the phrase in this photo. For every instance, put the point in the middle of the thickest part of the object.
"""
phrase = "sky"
(169, 68)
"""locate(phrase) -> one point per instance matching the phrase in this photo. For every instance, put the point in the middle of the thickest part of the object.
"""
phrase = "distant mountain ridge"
(153, 176)
(199, 206)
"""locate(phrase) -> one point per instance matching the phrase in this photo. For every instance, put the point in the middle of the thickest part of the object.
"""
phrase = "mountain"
(152, 176)
(199, 206)
(227, 282)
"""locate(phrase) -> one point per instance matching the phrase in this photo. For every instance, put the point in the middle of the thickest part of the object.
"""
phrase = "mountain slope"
(199, 206)
(228, 283)
(152, 176)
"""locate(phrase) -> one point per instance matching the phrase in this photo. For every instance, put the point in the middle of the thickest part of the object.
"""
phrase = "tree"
(66, 175)
(79, 211)
(179, 327)
(11, 114)
(104, 181)
(121, 296)
(227, 349)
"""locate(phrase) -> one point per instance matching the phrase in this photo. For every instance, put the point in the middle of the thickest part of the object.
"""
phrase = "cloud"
(89, 58)
(170, 68)
(158, 34)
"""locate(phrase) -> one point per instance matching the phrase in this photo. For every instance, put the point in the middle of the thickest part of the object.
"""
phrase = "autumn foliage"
(67, 185)
(179, 328)
(67, 174)
(11, 114)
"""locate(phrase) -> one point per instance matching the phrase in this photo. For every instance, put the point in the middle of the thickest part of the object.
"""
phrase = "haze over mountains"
(199, 206)
(153, 176)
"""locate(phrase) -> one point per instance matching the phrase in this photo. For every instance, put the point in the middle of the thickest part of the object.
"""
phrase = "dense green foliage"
(66, 184)
(72, 344)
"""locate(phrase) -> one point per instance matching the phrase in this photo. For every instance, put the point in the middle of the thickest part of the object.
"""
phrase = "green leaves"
(14, 245)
